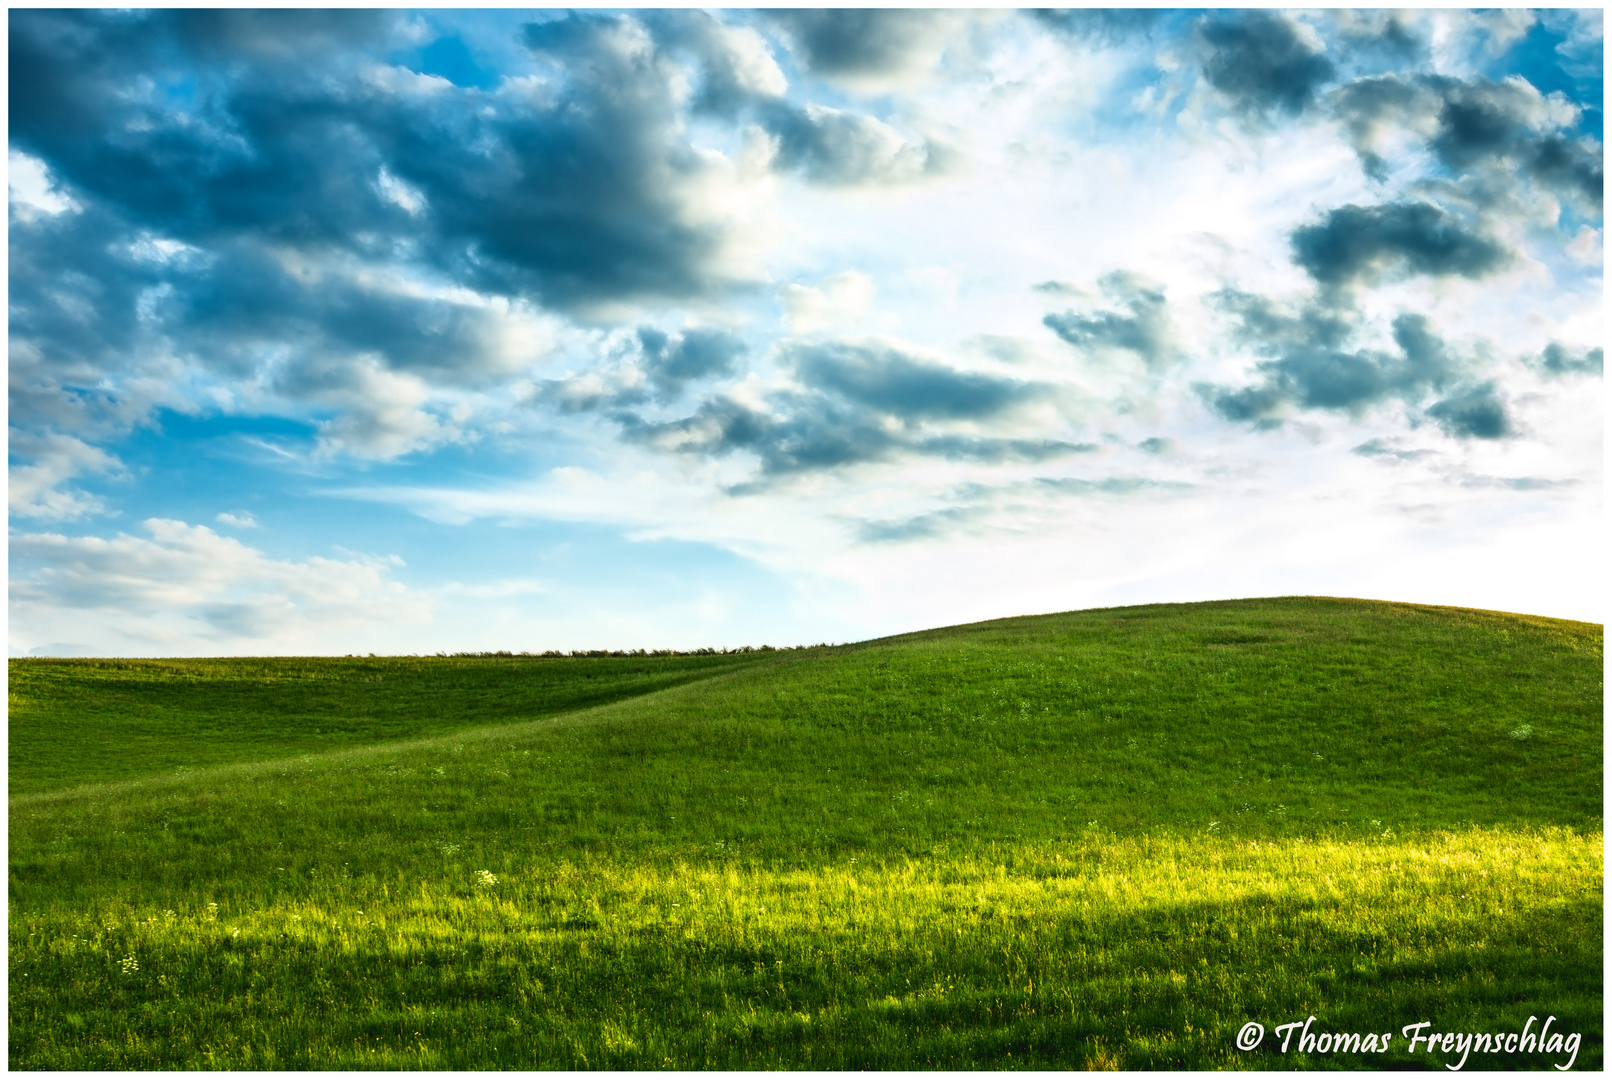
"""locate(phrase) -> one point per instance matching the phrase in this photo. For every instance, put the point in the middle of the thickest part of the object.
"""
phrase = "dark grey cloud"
(896, 384)
(1262, 63)
(838, 147)
(1310, 364)
(672, 362)
(861, 42)
(1557, 360)
(1474, 413)
(1142, 325)
(1505, 132)
(857, 403)
(573, 200)
(1370, 243)
(660, 369)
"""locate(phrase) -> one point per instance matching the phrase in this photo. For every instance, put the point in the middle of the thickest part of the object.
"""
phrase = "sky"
(406, 332)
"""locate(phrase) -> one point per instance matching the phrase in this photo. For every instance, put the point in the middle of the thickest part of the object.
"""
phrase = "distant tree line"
(640, 652)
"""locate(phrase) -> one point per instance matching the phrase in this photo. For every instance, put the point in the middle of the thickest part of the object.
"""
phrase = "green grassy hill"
(1102, 838)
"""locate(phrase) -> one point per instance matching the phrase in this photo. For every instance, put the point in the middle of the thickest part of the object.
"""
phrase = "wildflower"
(129, 965)
(485, 880)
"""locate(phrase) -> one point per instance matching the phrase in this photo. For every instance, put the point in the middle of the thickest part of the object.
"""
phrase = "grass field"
(1105, 838)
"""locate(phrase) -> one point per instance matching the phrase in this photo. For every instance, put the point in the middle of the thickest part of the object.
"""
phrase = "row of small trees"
(643, 652)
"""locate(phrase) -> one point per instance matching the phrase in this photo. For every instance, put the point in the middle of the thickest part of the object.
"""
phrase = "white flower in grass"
(129, 965)
(485, 880)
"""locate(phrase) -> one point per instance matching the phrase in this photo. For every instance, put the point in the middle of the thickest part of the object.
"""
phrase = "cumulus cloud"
(837, 147)
(1505, 132)
(866, 45)
(34, 490)
(1371, 243)
(844, 297)
(674, 361)
(379, 413)
(1141, 326)
(859, 402)
(1475, 413)
(1311, 362)
(1557, 360)
(30, 191)
(655, 365)
(204, 586)
(1264, 62)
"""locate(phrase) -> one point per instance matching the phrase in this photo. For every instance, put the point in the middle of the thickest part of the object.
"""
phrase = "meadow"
(1105, 838)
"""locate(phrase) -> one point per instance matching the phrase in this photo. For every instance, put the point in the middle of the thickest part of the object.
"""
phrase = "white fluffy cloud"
(185, 589)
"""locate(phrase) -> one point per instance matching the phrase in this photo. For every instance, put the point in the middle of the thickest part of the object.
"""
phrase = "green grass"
(78, 721)
(1105, 838)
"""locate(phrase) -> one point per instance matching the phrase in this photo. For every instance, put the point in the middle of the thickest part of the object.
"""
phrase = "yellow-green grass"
(1097, 839)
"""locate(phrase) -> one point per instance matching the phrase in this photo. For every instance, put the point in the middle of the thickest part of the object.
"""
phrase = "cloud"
(1264, 62)
(979, 503)
(1142, 326)
(858, 402)
(899, 384)
(655, 365)
(840, 148)
(585, 192)
(865, 45)
(1506, 132)
(203, 585)
(920, 526)
(1310, 364)
(240, 519)
(380, 413)
(844, 297)
(340, 236)
(1109, 26)
(30, 191)
(1474, 413)
(1558, 360)
(1377, 448)
(1371, 243)
(674, 361)
(35, 490)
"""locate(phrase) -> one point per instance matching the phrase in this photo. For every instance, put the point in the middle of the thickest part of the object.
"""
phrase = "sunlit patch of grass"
(1138, 952)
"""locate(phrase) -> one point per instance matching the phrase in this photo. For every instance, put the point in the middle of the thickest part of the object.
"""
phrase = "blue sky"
(374, 331)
